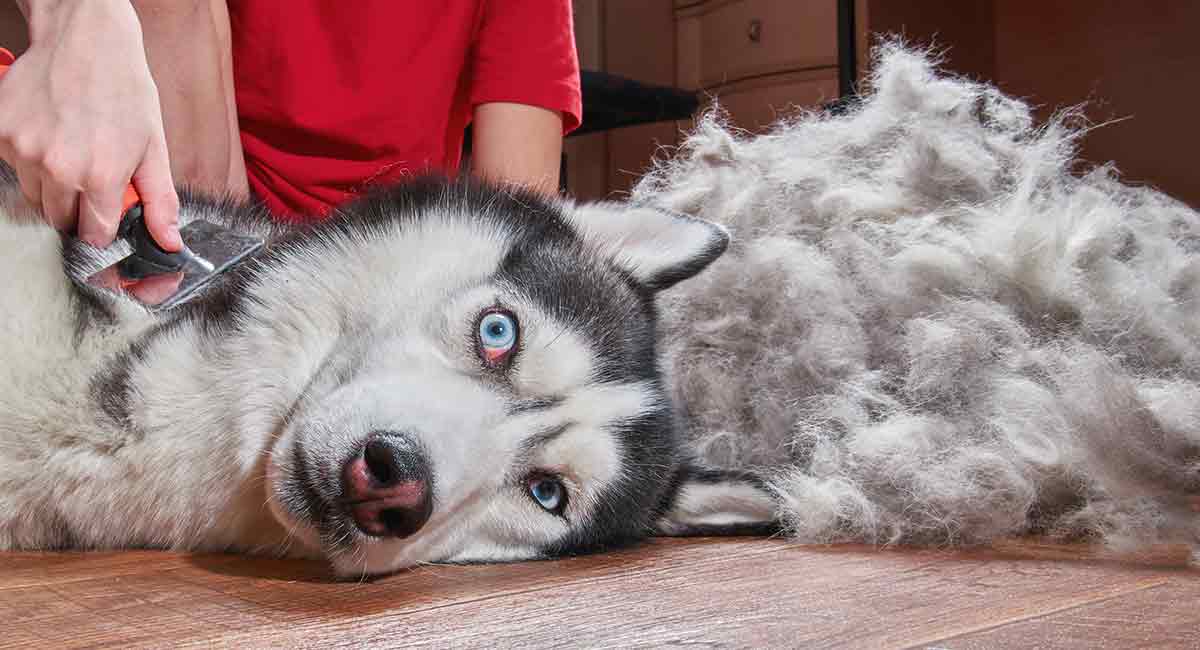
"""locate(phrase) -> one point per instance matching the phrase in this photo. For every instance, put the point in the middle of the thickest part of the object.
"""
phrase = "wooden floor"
(722, 593)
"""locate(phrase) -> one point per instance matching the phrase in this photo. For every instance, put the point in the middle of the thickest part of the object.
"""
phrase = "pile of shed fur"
(932, 329)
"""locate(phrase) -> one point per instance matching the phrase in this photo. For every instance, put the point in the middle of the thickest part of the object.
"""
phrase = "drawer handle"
(754, 31)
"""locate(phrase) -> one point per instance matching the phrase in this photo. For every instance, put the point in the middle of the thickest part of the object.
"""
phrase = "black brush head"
(162, 284)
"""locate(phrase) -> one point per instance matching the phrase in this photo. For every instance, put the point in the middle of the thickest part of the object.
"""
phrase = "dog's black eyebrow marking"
(542, 439)
(111, 386)
(535, 404)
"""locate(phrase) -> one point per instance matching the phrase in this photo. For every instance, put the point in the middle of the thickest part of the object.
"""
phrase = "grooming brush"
(209, 250)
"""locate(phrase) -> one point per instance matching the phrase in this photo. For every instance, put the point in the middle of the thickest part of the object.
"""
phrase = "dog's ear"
(719, 502)
(659, 247)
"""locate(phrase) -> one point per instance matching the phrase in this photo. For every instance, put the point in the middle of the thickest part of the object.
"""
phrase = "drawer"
(758, 103)
(722, 41)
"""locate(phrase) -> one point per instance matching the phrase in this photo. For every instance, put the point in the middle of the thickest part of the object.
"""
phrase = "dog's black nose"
(387, 486)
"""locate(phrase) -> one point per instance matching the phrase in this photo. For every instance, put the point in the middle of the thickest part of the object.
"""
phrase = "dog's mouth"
(299, 501)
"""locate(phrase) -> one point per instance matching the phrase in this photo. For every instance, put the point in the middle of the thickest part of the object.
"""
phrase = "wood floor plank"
(31, 603)
(1162, 617)
(719, 592)
(45, 568)
(15, 636)
(299, 596)
(792, 598)
(119, 628)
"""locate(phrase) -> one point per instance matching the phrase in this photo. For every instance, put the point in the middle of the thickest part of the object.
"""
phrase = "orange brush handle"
(130, 198)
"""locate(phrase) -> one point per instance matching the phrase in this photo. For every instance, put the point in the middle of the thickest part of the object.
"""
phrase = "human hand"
(80, 118)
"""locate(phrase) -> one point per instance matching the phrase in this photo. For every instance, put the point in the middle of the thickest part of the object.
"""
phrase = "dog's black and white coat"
(443, 372)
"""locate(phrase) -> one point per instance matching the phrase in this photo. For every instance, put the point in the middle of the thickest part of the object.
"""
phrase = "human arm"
(525, 90)
(518, 144)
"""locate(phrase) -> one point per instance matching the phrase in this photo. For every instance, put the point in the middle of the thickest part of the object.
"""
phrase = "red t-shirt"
(334, 96)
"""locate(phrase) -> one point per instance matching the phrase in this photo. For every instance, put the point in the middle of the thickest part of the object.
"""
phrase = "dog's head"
(481, 383)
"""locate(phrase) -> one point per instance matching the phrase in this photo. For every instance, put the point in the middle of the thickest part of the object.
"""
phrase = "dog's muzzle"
(387, 486)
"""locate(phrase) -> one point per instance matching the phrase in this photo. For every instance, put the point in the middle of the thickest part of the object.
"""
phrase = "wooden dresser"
(758, 58)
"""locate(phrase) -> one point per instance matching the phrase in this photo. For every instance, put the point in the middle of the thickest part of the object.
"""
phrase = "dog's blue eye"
(549, 494)
(497, 335)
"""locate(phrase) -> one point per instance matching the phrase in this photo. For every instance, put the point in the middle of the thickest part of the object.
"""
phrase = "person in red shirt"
(302, 103)
(333, 98)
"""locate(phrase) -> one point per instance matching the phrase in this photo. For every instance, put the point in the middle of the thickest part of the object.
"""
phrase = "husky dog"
(442, 372)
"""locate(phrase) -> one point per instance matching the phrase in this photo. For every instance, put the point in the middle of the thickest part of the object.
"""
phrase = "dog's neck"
(190, 402)
(158, 397)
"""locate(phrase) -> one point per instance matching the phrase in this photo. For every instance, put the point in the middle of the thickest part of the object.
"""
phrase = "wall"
(1135, 61)
(965, 27)
(1130, 61)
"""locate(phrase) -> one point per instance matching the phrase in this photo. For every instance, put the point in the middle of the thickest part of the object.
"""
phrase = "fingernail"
(174, 240)
(91, 236)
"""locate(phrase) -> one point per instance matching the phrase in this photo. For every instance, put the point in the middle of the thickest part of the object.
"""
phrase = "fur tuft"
(948, 333)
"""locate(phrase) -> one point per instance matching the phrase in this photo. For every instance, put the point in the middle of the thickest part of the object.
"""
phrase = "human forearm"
(189, 48)
(518, 144)
(76, 128)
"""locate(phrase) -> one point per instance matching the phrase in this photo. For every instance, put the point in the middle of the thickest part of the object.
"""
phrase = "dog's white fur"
(931, 329)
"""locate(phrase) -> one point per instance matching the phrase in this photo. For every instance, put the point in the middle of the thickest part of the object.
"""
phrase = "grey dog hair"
(934, 325)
